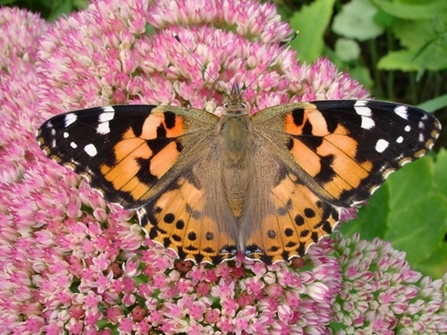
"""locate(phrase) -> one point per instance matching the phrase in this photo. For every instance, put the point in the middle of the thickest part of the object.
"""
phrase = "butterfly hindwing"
(191, 216)
(286, 217)
(129, 153)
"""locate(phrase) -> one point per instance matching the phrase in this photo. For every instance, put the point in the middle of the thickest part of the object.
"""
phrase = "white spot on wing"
(70, 118)
(381, 145)
(407, 128)
(373, 189)
(65, 134)
(365, 113)
(404, 161)
(73, 145)
(400, 139)
(107, 115)
(108, 109)
(387, 173)
(421, 125)
(90, 149)
(104, 118)
(402, 111)
(103, 128)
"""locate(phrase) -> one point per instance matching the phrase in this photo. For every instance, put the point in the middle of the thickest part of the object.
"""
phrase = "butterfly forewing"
(344, 150)
(128, 153)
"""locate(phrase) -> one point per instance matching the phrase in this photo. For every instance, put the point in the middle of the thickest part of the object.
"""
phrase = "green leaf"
(416, 34)
(399, 60)
(384, 19)
(64, 8)
(356, 20)
(81, 4)
(371, 221)
(149, 29)
(405, 60)
(436, 265)
(441, 172)
(410, 210)
(412, 183)
(419, 229)
(347, 49)
(424, 43)
(425, 10)
(418, 212)
(434, 105)
(311, 22)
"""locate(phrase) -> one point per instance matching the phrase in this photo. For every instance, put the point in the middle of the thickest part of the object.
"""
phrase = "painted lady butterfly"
(271, 184)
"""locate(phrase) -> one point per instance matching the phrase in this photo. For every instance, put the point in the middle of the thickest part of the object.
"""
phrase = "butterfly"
(269, 185)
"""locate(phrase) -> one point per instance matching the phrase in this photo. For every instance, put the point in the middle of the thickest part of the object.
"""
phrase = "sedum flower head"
(18, 89)
(72, 263)
(380, 293)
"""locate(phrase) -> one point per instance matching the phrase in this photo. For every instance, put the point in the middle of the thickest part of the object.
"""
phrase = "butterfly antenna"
(284, 47)
(198, 63)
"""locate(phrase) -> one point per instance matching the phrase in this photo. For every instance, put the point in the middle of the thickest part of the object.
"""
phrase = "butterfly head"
(235, 105)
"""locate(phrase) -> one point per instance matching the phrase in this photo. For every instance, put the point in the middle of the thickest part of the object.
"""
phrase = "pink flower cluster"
(71, 263)
(381, 294)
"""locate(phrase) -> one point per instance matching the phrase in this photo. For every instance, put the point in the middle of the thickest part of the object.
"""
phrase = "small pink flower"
(212, 316)
(318, 292)
(245, 299)
(138, 313)
(196, 311)
(114, 314)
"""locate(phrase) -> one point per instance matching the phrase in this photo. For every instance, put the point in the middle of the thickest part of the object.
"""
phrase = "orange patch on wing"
(318, 122)
(151, 124)
(164, 160)
(122, 174)
(313, 116)
(290, 126)
(306, 158)
(122, 177)
(178, 129)
(175, 202)
(348, 173)
(155, 120)
(130, 145)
